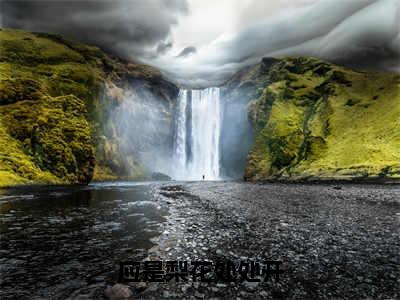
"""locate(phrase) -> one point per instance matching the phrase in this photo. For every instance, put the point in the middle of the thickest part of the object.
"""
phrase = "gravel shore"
(334, 240)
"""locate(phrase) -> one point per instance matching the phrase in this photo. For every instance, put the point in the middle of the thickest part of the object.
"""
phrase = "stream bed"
(334, 240)
(56, 240)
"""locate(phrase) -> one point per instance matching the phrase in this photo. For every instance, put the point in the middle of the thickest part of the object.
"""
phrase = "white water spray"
(197, 135)
(180, 153)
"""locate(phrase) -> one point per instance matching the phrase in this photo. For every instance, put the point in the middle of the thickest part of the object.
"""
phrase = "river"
(55, 240)
(334, 240)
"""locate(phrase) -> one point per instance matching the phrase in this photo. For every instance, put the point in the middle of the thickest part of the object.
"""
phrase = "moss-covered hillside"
(52, 104)
(313, 119)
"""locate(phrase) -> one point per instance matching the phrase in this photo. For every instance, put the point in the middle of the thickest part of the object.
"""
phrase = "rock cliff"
(315, 120)
(55, 98)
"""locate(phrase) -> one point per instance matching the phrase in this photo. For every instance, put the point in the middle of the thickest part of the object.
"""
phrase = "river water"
(56, 240)
(335, 240)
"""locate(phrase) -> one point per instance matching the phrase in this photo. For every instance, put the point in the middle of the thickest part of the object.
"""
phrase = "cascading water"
(197, 135)
(180, 152)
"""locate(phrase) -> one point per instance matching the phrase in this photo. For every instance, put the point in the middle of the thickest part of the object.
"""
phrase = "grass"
(47, 87)
(53, 133)
(329, 123)
(52, 107)
(16, 167)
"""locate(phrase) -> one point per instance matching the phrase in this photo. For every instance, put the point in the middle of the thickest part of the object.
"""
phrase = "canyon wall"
(315, 120)
(62, 108)
(70, 113)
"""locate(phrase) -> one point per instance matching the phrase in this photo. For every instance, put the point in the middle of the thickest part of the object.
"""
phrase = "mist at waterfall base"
(206, 135)
(140, 126)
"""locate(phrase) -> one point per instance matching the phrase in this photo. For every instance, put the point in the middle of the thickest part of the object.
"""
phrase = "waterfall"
(180, 157)
(197, 135)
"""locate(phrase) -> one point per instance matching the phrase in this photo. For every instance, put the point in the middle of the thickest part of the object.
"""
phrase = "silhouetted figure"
(204, 176)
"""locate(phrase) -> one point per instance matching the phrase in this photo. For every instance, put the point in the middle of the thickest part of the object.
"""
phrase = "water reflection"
(57, 239)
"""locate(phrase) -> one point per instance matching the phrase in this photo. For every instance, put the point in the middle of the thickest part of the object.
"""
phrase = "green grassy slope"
(318, 120)
(16, 166)
(52, 105)
(44, 88)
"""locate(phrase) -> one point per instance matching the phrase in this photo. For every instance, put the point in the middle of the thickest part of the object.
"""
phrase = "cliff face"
(54, 97)
(70, 113)
(312, 119)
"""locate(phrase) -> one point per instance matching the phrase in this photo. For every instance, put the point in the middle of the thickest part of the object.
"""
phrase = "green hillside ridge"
(316, 120)
(52, 105)
(54, 135)
(311, 119)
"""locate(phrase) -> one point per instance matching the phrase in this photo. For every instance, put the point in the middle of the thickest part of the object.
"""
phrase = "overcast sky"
(202, 42)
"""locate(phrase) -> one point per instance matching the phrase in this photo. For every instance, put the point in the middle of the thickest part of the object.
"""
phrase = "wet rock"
(250, 286)
(158, 176)
(263, 294)
(139, 286)
(171, 294)
(154, 286)
(99, 279)
(119, 292)
(199, 295)
(185, 287)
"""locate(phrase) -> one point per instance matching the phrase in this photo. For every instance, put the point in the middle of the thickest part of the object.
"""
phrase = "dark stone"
(322, 69)
(339, 77)
(352, 102)
(267, 63)
(160, 176)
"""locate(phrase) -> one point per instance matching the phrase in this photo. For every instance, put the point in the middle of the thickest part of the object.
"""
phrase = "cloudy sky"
(202, 42)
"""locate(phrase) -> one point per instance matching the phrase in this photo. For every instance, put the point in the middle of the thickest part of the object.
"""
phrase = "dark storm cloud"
(349, 31)
(128, 28)
(187, 51)
(164, 47)
(363, 34)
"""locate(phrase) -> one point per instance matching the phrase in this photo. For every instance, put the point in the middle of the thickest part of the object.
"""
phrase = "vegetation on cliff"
(313, 119)
(52, 105)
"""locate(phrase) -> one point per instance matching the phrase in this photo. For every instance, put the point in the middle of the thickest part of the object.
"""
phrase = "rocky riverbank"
(334, 240)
